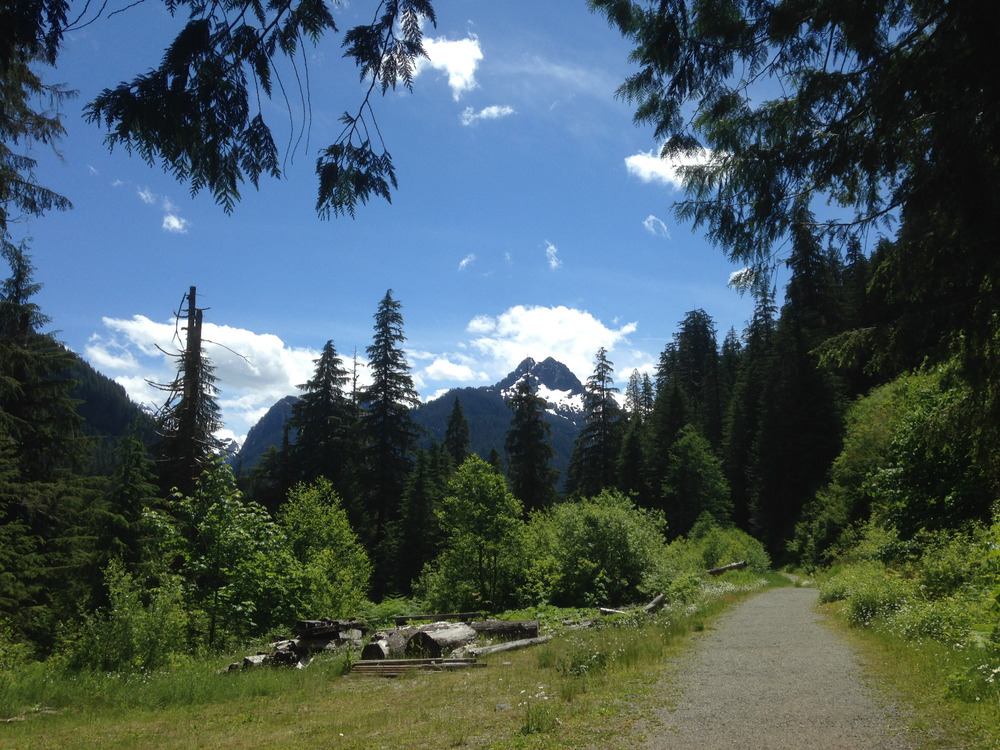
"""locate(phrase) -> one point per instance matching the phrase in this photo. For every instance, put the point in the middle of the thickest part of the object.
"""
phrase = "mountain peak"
(548, 374)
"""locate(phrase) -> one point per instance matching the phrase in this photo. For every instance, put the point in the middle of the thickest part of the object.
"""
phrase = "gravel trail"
(771, 675)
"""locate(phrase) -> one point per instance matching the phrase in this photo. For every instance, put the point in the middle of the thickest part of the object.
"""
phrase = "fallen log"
(658, 601)
(609, 611)
(513, 629)
(732, 566)
(463, 616)
(439, 638)
(386, 644)
(507, 646)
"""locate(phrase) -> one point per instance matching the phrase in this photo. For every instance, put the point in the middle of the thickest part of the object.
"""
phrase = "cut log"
(386, 644)
(439, 638)
(732, 566)
(463, 616)
(658, 601)
(508, 646)
(513, 629)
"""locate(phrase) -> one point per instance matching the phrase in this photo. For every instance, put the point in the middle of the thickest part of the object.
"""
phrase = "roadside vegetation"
(592, 683)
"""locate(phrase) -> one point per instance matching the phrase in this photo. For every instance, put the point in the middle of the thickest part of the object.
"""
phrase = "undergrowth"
(585, 685)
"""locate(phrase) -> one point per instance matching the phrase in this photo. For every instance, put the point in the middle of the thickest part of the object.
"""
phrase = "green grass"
(586, 687)
(950, 705)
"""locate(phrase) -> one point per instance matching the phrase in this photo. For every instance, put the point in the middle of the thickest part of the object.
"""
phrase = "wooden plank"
(396, 667)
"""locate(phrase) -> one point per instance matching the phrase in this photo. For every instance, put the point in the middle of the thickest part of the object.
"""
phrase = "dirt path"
(771, 675)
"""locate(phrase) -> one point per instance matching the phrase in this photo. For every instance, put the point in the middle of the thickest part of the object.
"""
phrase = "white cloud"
(552, 255)
(146, 196)
(171, 221)
(444, 369)
(649, 167)
(494, 112)
(481, 324)
(175, 224)
(655, 226)
(253, 370)
(571, 336)
(457, 58)
(467, 261)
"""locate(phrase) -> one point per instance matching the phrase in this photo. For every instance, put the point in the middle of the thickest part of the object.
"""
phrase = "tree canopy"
(200, 112)
(873, 113)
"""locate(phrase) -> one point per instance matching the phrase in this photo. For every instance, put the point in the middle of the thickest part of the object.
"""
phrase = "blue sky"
(532, 219)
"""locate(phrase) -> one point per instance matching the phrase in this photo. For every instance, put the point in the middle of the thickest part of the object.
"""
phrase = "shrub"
(482, 565)
(592, 551)
(139, 631)
(721, 545)
(334, 566)
(947, 621)
(876, 596)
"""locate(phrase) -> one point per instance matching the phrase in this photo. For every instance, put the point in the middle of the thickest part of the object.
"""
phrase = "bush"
(593, 551)
(140, 631)
(481, 565)
(334, 566)
(721, 545)
(947, 621)
(877, 597)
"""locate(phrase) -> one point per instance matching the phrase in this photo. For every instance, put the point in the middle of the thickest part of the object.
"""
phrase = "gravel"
(771, 675)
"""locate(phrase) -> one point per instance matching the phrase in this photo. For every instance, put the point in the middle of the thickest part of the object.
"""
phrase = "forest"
(851, 429)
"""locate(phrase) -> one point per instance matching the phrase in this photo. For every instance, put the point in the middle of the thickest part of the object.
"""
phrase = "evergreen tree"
(418, 537)
(323, 421)
(746, 406)
(456, 435)
(389, 436)
(593, 465)
(632, 463)
(695, 368)
(668, 417)
(190, 417)
(495, 460)
(529, 449)
(35, 405)
(694, 484)
(800, 423)
(132, 489)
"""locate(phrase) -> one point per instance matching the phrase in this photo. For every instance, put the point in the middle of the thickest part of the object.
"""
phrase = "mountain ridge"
(485, 409)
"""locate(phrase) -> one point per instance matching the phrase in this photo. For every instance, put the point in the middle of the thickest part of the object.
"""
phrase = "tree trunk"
(440, 637)
(508, 646)
(732, 566)
(387, 644)
(507, 629)
(658, 601)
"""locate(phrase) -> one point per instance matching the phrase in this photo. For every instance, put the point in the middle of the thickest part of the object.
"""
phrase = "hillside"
(485, 409)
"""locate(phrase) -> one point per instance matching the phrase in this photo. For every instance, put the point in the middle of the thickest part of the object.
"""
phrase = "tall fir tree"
(36, 409)
(746, 405)
(456, 435)
(529, 449)
(323, 420)
(389, 435)
(800, 421)
(695, 369)
(593, 465)
(418, 536)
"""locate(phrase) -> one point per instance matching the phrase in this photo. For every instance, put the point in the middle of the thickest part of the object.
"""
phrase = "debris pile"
(311, 636)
